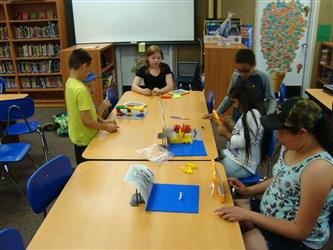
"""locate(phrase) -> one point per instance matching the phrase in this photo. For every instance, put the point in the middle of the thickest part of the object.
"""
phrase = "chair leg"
(44, 144)
(33, 163)
(14, 181)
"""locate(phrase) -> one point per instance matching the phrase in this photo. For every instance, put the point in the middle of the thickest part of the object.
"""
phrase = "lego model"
(181, 134)
(137, 111)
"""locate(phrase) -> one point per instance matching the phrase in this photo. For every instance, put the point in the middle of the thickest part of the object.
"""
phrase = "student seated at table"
(297, 201)
(246, 69)
(243, 152)
(83, 123)
(157, 75)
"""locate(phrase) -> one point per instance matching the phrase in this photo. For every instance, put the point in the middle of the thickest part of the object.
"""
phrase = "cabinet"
(325, 65)
(31, 36)
(102, 65)
(219, 66)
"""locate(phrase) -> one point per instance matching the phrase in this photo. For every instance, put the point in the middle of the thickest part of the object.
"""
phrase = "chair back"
(210, 101)
(2, 86)
(16, 109)
(112, 95)
(197, 83)
(10, 239)
(283, 93)
(46, 183)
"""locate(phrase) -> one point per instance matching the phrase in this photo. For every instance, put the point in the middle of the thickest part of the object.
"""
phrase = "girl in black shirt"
(157, 76)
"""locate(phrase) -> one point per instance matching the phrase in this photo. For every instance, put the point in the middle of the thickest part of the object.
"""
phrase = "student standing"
(297, 201)
(82, 118)
(157, 75)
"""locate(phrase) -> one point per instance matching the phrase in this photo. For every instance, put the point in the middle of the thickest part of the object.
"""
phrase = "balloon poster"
(282, 26)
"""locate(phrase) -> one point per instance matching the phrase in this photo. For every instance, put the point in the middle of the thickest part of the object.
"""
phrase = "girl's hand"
(233, 213)
(156, 91)
(147, 92)
(222, 130)
(238, 186)
(111, 128)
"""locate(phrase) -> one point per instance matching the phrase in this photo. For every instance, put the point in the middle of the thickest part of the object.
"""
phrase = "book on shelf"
(28, 32)
(326, 53)
(3, 33)
(41, 82)
(50, 66)
(5, 51)
(6, 67)
(44, 50)
(10, 82)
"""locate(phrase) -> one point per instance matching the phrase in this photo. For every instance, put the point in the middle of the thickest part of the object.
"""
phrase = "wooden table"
(93, 212)
(5, 97)
(323, 99)
(138, 134)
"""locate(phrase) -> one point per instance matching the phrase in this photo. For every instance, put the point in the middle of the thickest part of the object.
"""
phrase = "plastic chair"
(112, 95)
(47, 182)
(21, 109)
(210, 101)
(196, 83)
(255, 178)
(283, 93)
(185, 74)
(13, 152)
(10, 239)
(2, 86)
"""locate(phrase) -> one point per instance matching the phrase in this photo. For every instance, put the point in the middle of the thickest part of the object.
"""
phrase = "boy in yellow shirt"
(83, 122)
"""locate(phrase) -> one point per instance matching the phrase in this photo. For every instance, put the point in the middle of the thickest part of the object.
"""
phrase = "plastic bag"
(155, 153)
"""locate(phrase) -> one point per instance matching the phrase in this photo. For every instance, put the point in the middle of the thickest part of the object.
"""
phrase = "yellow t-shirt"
(79, 99)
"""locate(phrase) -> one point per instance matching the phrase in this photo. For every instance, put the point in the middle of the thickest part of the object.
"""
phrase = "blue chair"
(21, 109)
(46, 183)
(112, 95)
(14, 152)
(10, 239)
(210, 101)
(255, 178)
(283, 93)
(2, 86)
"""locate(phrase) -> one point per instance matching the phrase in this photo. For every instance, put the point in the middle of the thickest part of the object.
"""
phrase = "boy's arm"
(88, 122)
(269, 95)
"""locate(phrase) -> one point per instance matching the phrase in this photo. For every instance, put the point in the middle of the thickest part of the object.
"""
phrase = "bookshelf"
(325, 65)
(32, 33)
(102, 65)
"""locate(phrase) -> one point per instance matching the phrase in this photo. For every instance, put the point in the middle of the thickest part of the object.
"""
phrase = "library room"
(145, 124)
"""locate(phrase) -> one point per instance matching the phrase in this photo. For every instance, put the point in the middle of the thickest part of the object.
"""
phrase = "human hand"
(111, 121)
(207, 116)
(156, 91)
(233, 213)
(147, 92)
(223, 130)
(111, 128)
(238, 186)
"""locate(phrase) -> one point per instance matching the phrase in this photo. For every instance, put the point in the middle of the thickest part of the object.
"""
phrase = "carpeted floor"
(14, 209)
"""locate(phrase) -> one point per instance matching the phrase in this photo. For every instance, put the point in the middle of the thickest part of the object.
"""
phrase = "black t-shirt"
(151, 81)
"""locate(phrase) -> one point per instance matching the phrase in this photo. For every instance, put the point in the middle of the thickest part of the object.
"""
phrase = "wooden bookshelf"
(34, 55)
(325, 64)
(103, 65)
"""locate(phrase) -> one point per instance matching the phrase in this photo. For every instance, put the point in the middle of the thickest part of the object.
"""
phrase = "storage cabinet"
(325, 65)
(32, 33)
(102, 64)
(219, 66)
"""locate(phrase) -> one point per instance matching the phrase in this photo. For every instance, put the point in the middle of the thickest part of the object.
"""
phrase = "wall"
(325, 17)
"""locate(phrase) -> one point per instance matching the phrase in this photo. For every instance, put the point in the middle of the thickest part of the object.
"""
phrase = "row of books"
(27, 32)
(3, 33)
(43, 14)
(41, 82)
(10, 82)
(326, 76)
(326, 56)
(6, 67)
(30, 50)
(38, 66)
(5, 50)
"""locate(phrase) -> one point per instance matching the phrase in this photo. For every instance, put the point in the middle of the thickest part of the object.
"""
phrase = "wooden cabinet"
(102, 64)
(325, 65)
(32, 33)
(219, 66)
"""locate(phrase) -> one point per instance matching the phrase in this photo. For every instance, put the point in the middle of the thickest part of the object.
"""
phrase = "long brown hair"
(152, 49)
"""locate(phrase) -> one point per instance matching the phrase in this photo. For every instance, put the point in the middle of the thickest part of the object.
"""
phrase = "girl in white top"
(243, 152)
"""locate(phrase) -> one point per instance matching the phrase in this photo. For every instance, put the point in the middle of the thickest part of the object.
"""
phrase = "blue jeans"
(233, 169)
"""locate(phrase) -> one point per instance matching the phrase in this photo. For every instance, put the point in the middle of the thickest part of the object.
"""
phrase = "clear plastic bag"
(155, 153)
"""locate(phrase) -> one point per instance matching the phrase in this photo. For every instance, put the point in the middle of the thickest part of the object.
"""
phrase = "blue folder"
(165, 198)
(197, 148)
